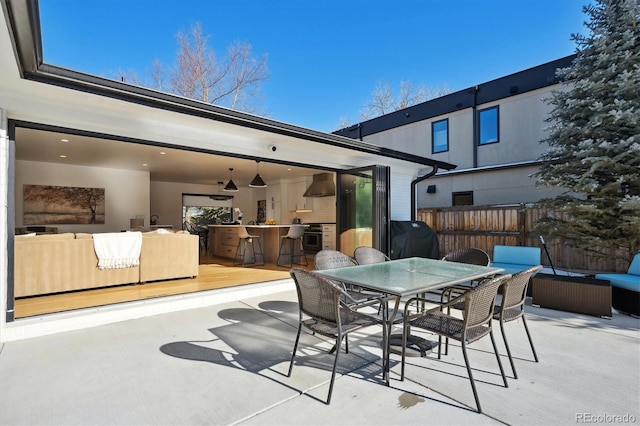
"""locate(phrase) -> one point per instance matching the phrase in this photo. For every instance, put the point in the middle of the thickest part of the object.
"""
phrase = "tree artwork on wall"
(45, 205)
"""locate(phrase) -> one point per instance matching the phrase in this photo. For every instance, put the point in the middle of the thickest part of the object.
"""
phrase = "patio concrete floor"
(227, 365)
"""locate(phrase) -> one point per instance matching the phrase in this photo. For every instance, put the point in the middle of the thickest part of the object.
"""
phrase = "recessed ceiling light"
(144, 164)
(289, 169)
(162, 153)
(64, 140)
(63, 156)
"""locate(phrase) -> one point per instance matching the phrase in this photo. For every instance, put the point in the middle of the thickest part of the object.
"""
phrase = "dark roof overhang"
(24, 27)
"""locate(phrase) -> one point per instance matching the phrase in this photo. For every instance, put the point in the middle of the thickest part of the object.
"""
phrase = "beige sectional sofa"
(55, 263)
(169, 256)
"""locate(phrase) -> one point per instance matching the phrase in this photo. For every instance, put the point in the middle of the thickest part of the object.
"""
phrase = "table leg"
(416, 346)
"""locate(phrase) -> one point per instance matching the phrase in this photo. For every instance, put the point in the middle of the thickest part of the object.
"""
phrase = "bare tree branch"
(199, 74)
(383, 102)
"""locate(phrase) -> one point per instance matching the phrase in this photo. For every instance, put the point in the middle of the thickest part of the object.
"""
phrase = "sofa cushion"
(626, 281)
(518, 255)
(83, 236)
(49, 237)
(634, 268)
(511, 268)
(32, 234)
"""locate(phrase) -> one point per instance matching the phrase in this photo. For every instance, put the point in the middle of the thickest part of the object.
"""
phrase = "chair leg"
(495, 350)
(506, 345)
(280, 253)
(302, 254)
(257, 253)
(335, 365)
(535, 355)
(473, 384)
(240, 253)
(295, 348)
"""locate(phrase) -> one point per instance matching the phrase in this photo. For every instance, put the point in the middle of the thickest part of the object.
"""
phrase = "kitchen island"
(223, 240)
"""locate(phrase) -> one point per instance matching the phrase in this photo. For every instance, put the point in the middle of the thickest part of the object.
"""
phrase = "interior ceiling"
(174, 165)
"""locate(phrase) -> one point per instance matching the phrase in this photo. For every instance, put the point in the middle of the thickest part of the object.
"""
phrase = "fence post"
(522, 226)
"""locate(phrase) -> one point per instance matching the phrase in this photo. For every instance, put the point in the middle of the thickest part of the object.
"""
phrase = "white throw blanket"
(118, 249)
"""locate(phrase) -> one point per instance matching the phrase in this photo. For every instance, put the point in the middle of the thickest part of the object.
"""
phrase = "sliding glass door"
(363, 209)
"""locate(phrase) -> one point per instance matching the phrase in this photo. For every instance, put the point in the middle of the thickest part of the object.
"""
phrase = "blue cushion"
(511, 268)
(634, 268)
(626, 281)
(519, 255)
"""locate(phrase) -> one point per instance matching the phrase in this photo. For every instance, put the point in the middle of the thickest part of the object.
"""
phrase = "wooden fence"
(484, 227)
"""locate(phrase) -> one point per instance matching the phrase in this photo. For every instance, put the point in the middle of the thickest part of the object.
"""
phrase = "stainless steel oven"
(312, 238)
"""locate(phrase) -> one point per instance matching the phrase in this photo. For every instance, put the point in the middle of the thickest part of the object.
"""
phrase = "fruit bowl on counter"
(270, 222)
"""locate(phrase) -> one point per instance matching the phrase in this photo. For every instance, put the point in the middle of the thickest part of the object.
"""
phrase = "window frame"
(480, 112)
(433, 133)
(460, 195)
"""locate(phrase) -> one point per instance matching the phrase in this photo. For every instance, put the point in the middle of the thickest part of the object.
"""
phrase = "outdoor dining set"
(454, 298)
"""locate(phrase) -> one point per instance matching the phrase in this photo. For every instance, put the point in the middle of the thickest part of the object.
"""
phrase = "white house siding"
(400, 189)
(522, 127)
(507, 186)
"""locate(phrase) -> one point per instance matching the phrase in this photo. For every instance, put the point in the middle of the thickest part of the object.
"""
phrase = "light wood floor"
(214, 273)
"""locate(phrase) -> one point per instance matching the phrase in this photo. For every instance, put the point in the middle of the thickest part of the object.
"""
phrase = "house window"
(462, 198)
(488, 126)
(440, 136)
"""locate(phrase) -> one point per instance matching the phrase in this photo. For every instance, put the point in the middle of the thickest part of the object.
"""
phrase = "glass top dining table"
(410, 276)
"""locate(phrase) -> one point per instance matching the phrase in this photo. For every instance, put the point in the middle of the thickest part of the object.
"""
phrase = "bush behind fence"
(484, 227)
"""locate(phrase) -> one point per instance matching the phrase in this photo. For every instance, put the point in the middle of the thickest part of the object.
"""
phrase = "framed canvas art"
(45, 205)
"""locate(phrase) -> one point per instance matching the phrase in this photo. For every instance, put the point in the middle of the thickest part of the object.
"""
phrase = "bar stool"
(288, 242)
(241, 252)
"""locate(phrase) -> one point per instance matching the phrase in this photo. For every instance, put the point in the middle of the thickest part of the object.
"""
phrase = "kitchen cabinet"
(295, 199)
(328, 237)
(225, 241)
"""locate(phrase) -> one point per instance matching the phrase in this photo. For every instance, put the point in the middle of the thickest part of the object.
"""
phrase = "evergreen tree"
(594, 136)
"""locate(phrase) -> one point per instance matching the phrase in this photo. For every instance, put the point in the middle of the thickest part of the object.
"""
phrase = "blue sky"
(324, 56)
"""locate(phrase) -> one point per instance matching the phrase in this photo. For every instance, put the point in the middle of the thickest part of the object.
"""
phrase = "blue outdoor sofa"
(625, 288)
(514, 259)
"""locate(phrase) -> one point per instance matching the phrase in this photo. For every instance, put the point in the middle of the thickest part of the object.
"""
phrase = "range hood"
(322, 186)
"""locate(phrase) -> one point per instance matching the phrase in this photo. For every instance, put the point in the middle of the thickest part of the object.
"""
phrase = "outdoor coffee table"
(408, 277)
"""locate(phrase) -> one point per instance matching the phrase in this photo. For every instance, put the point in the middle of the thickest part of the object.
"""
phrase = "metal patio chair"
(511, 307)
(476, 323)
(323, 311)
(366, 255)
(331, 259)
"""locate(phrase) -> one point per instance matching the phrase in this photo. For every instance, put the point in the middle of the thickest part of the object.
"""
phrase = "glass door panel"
(363, 209)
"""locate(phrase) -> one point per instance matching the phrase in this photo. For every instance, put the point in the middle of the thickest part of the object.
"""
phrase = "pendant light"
(257, 181)
(231, 187)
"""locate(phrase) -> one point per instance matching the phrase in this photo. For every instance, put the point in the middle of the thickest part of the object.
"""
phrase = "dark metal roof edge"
(490, 168)
(513, 84)
(50, 74)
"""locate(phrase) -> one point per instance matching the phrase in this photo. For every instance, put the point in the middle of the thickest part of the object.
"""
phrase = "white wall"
(126, 191)
(509, 186)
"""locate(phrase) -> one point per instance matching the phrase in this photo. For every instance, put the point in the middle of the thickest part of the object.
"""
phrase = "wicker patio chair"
(511, 307)
(470, 255)
(331, 259)
(365, 255)
(323, 311)
(476, 323)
